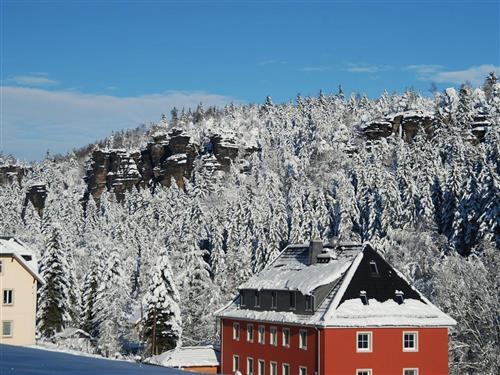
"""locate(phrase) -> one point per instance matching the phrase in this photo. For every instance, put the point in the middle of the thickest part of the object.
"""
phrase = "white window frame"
(261, 335)
(283, 369)
(261, 370)
(303, 342)
(11, 328)
(271, 363)
(11, 303)
(236, 358)
(415, 334)
(287, 344)
(236, 331)
(302, 370)
(361, 371)
(370, 342)
(249, 368)
(250, 329)
(273, 336)
(415, 370)
(256, 300)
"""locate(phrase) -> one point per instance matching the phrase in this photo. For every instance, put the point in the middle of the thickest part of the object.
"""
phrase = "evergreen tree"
(53, 297)
(161, 325)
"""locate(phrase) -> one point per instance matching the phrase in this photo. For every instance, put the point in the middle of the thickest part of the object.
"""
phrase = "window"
(250, 332)
(273, 368)
(364, 342)
(286, 337)
(293, 300)
(274, 300)
(242, 299)
(6, 328)
(302, 370)
(262, 335)
(410, 371)
(236, 331)
(303, 339)
(308, 303)
(285, 369)
(236, 363)
(410, 341)
(273, 336)
(373, 268)
(262, 367)
(8, 297)
(257, 299)
(1, 267)
(249, 366)
(364, 371)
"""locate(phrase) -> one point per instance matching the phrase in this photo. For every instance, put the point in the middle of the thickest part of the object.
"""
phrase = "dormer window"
(274, 300)
(364, 297)
(293, 301)
(242, 299)
(308, 303)
(400, 297)
(257, 299)
(373, 268)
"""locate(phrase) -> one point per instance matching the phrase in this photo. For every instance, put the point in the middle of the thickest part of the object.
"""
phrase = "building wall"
(23, 312)
(339, 356)
(293, 355)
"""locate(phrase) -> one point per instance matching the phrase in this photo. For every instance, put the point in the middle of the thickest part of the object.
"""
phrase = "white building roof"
(10, 246)
(187, 356)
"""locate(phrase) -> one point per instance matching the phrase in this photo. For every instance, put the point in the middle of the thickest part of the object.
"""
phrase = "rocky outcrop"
(11, 174)
(168, 157)
(36, 194)
(405, 125)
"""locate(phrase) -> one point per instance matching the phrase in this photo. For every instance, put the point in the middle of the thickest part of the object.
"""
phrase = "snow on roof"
(291, 271)
(13, 247)
(187, 356)
(411, 312)
(72, 332)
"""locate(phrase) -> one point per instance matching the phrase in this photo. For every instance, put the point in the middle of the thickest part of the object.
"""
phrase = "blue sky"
(72, 71)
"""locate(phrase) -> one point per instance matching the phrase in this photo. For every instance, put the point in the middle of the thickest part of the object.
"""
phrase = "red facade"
(335, 351)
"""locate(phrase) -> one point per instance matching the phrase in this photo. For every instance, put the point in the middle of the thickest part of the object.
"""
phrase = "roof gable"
(10, 246)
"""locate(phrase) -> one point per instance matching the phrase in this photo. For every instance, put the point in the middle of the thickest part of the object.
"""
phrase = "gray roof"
(291, 271)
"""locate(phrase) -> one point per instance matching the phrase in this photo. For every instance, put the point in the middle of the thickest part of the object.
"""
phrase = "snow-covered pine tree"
(161, 325)
(53, 295)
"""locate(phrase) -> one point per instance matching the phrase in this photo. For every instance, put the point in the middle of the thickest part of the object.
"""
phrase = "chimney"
(315, 248)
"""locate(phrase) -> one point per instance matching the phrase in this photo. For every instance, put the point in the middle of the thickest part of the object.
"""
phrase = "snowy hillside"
(173, 218)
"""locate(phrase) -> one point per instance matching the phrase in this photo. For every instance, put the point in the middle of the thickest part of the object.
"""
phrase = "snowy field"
(28, 361)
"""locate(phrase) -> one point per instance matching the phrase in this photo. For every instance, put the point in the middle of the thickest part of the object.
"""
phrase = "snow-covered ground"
(30, 361)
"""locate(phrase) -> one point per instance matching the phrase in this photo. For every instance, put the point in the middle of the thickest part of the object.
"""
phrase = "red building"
(336, 310)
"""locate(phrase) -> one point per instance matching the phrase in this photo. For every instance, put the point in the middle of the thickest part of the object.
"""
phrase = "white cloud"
(435, 73)
(474, 74)
(34, 120)
(320, 68)
(424, 68)
(33, 79)
(366, 68)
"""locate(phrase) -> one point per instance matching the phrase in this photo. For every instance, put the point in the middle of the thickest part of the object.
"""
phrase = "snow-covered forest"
(430, 202)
